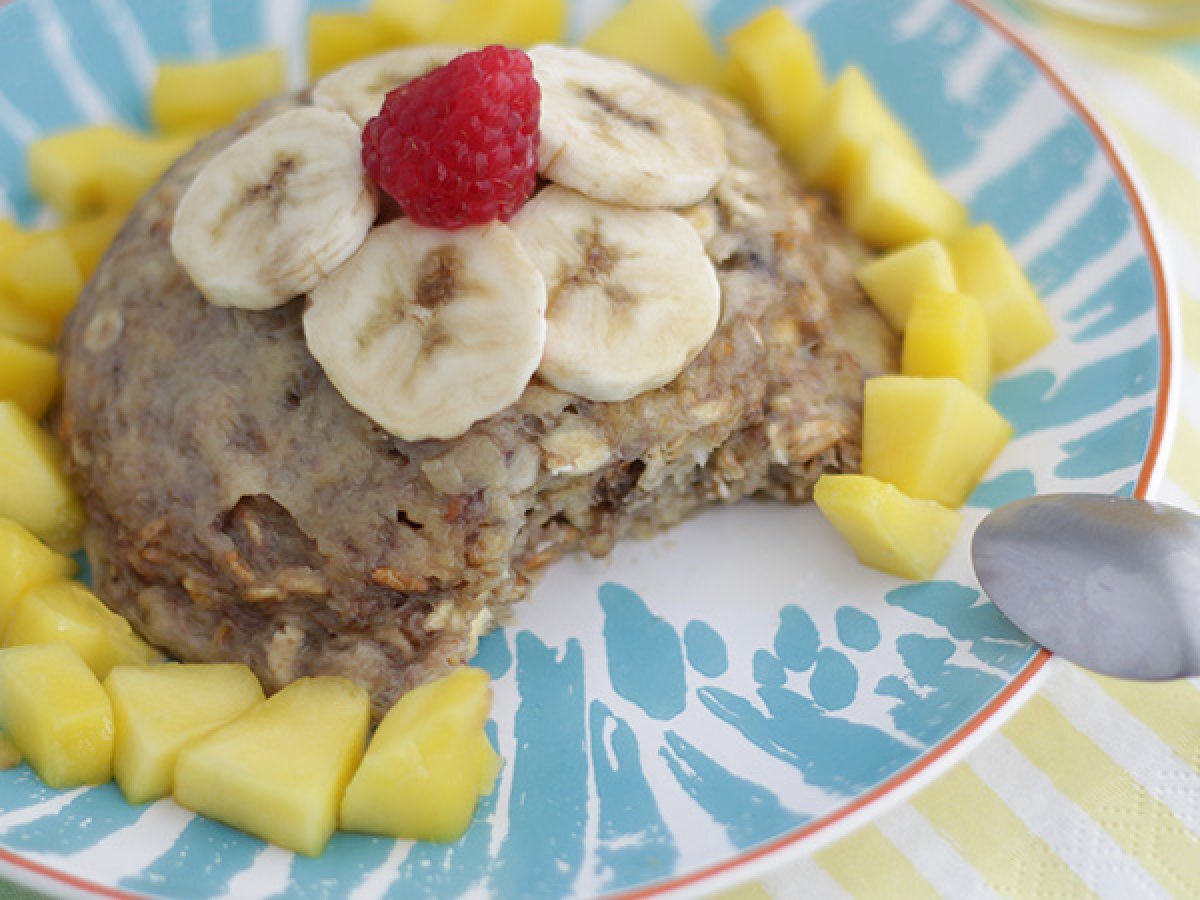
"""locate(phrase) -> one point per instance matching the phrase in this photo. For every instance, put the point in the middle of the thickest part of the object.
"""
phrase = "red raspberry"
(458, 146)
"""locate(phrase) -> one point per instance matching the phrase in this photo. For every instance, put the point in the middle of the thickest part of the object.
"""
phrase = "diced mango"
(848, 123)
(892, 281)
(158, 710)
(891, 201)
(1018, 325)
(776, 72)
(663, 36)
(28, 376)
(57, 714)
(279, 770)
(947, 338)
(520, 23)
(103, 167)
(408, 21)
(203, 96)
(90, 238)
(933, 438)
(36, 493)
(18, 322)
(25, 562)
(336, 38)
(42, 277)
(424, 770)
(887, 530)
(67, 611)
(10, 756)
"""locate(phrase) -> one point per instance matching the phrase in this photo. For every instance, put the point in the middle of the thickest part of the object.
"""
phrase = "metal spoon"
(1110, 583)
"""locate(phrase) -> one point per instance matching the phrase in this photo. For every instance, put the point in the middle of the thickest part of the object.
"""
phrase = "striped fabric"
(1093, 788)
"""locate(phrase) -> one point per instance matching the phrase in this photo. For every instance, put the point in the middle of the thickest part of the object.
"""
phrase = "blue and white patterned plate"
(739, 689)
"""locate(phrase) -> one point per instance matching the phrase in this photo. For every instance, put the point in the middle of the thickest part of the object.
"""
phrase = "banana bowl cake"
(321, 430)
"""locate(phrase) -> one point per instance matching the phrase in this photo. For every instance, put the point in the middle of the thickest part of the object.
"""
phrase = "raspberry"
(458, 146)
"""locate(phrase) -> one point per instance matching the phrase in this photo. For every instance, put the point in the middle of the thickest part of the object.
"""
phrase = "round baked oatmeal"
(242, 509)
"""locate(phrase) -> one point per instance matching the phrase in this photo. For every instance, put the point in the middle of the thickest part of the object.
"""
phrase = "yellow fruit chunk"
(947, 337)
(158, 710)
(893, 281)
(887, 530)
(35, 492)
(408, 21)
(517, 22)
(848, 123)
(10, 756)
(1018, 325)
(90, 238)
(891, 201)
(663, 36)
(25, 562)
(336, 38)
(775, 71)
(18, 322)
(28, 376)
(933, 438)
(427, 763)
(42, 277)
(279, 770)
(203, 96)
(57, 714)
(67, 611)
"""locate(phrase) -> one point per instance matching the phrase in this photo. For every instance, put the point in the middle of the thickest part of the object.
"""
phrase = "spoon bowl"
(1110, 583)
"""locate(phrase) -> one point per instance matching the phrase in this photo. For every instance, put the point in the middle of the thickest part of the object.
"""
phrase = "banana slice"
(275, 211)
(359, 88)
(615, 134)
(428, 331)
(633, 296)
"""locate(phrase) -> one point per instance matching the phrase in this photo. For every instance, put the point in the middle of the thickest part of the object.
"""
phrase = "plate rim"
(896, 789)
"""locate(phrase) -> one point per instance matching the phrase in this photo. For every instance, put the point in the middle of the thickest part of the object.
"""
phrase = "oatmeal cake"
(241, 509)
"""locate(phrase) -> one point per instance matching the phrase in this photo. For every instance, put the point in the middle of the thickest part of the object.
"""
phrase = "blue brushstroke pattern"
(706, 651)
(645, 655)
(200, 863)
(21, 788)
(834, 681)
(347, 861)
(1121, 301)
(856, 629)
(494, 654)
(968, 616)
(1114, 446)
(1097, 232)
(768, 670)
(1002, 489)
(748, 812)
(82, 823)
(796, 639)
(633, 838)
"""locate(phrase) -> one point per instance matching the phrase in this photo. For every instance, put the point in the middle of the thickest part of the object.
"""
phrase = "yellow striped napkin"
(1093, 788)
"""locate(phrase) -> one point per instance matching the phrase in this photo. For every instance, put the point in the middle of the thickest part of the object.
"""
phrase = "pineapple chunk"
(25, 562)
(57, 714)
(42, 277)
(891, 201)
(160, 709)
(67, 611)
(887, 530)
(10, 756)
(947, 337)
(28, 376)
(850, 121)
(426, 766)
(663, 36)
(36, 493)
(1018, 325)
(90, 238)
(203, 96)
(933, 438)
(336, 38)
(893, 281)
(408, 21)
(776, 72)
(104, 167)
(279, 770)
(522, 23)
(18, 322)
